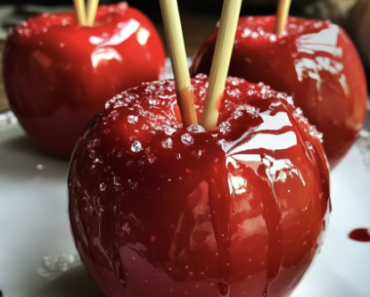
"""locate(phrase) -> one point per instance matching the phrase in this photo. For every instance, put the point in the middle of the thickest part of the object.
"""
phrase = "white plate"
(37, 253)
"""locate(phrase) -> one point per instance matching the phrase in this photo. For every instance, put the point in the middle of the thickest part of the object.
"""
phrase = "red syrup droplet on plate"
(360, 234)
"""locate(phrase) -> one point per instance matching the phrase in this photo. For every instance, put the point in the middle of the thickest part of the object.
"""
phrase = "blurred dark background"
(261, 6)
(332, 9)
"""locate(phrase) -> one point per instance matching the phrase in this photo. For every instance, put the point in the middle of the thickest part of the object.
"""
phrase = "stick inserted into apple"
(281, 16)
(86, 18)
(176, 46)
(80, 12)
(163, 207)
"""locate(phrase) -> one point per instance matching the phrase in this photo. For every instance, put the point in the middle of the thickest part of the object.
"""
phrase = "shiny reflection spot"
(142, 36)
(103, 55)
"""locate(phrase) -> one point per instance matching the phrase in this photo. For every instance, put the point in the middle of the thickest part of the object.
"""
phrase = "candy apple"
(160, 210)
(59, 74)
(314, 61)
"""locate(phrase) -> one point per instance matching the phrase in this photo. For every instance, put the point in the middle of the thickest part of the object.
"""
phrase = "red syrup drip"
(271, 215)
(221, 212)
(77, 206)
(360, 234)
(105, 211)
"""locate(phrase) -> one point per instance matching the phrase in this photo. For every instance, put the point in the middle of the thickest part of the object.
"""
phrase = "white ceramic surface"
(38, 257)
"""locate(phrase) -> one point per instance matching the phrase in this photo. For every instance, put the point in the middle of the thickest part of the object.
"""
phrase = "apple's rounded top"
(152, 95)
(152, 108)
(106, 15)
(263, 26)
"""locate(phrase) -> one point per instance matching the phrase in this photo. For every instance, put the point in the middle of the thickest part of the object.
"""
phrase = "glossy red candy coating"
(314, 61)
(159, 210)
(58, 75)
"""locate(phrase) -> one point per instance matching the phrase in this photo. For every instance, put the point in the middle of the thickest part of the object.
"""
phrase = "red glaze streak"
(58, 75)
(314, 61)
(360, 234)
(159, 210)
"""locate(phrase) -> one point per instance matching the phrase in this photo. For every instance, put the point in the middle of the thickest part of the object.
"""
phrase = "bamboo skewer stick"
(92, 7)
(281, 16)
(221, 61)
(176, 46)
(80, 11)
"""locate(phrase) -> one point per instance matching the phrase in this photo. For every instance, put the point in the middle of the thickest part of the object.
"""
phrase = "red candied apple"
(313, 61)
(58, 74)
(160, 210)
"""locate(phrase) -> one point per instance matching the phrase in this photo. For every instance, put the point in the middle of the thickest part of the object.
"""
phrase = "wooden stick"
(221, 61)
(80, 11)
(281, 16)
(176, 46)
(92, 7)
